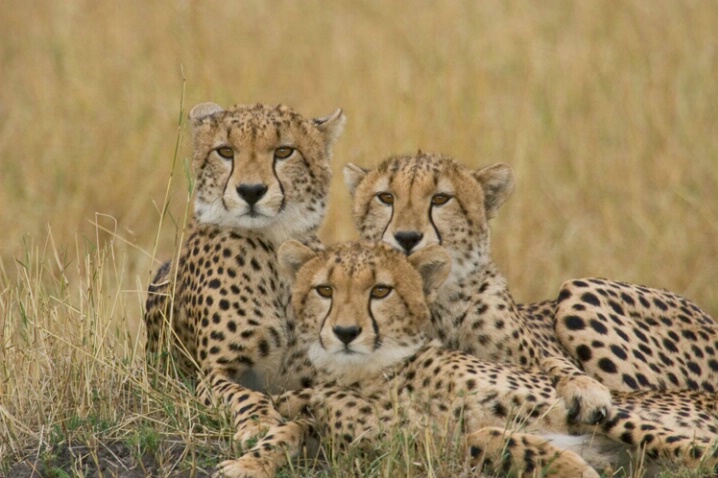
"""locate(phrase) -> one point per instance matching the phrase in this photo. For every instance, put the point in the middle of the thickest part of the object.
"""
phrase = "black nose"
(347, 334)
(251, 192)
(408, 239)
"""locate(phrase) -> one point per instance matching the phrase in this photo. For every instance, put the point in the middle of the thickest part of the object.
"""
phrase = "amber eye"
(324, 290)
(386, 198)
(283, 153)
(226, 152)
(380, 291)
(439, 199)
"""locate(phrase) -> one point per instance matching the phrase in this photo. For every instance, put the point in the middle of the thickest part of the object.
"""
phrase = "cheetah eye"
(386, 198)
(283, 153)
(380, 291)
(324, 291)
(439, 199)
(226, 152)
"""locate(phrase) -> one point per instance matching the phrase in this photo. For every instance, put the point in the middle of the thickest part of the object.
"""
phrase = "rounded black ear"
(331, 126)
(434, 265)
(292, 255)
(497, 181)
(353, 175)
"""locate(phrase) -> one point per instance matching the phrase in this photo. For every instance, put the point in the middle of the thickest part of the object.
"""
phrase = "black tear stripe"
(431, 210)
(226, 183)
(281, 186)
(375, 326)
(431, 221)
(391, 218)
(324, 321)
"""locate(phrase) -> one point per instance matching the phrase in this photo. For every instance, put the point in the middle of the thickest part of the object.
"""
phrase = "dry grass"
(606, 110)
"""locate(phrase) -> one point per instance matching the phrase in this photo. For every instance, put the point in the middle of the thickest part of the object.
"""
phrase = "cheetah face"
(262, 168)
(412, 202)
(361, 306)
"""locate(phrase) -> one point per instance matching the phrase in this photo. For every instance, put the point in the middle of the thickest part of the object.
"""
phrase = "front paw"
(587, 400)
(249, 432)
(247, 466)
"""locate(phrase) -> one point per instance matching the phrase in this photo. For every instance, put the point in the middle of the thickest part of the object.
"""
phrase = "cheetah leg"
(156, 312)
(673, 426)
(273, 451)
(253, 413)
(504, 451)
(587, 400)
(636, 338)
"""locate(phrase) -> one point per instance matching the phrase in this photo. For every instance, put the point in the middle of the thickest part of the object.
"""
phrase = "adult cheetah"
(598, 335)
(363, 310)
(262, 176)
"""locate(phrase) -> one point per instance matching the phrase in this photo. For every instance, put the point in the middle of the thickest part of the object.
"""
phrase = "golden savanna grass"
(607, 111)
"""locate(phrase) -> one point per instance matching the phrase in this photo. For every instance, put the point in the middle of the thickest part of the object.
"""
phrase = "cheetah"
(262, 176)
(598, 335)
(363, 309)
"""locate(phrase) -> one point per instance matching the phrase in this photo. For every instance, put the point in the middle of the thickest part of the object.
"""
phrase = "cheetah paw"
(249, 435)
(588, 401)
(246, 467)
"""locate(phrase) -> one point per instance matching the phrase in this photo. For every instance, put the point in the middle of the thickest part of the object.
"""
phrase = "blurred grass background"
(607, 111)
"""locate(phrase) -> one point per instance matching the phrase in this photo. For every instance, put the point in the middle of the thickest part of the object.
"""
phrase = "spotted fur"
(597, 335)
(262, 176)
(361, 308)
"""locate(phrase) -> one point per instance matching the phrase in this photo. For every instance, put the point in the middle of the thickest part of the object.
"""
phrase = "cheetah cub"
(363, 309)
(598, 335)
(262, 176)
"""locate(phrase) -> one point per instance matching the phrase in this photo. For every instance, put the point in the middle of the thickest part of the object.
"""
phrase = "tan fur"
(363, 393)
(475, 312)
(262, 176)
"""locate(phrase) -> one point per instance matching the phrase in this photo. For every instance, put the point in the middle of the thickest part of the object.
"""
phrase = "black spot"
(668, 344)
(627, 299)
(630, 381)
(224, 304)
(616, 307)
(619, 352)
(660, 304)
(599, 327)
(591, 299)
(607, 365)
(574, 322)
(643, 380)
(499, 410)
(214, 284)
(694, 367)
(264, 348)
(689, 335)
(584, 353)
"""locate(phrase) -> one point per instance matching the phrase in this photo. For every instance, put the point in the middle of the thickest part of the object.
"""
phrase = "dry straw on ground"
(607, 112)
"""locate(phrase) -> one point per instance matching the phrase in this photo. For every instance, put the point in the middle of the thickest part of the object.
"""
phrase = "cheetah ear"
(353, 175)
(292, 255)
(497, 182)
(434, 265)
(203, 110)
(331, 126)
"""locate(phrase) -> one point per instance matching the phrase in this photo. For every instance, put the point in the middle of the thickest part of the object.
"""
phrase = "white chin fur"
(292, 222)
(348, 368)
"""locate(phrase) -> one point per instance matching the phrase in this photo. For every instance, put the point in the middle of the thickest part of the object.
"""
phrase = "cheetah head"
(413, 201)
(362, 306)
(262, 168)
